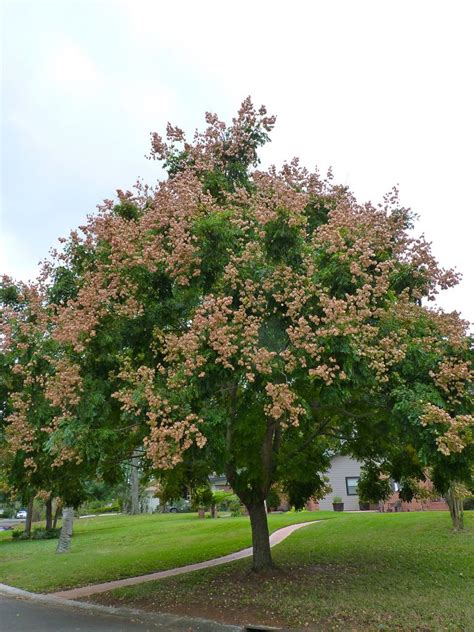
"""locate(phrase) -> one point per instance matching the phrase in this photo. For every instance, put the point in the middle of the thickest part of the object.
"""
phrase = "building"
(219, 483)
(343, 477)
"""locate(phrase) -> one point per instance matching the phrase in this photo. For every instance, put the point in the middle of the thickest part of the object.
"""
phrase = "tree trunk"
(262, 557)
(64, 543)
(455, 508)
(49, 513)
(56, 513)
(213, 510)
(254, 497)
(29, 517)
(134, 486)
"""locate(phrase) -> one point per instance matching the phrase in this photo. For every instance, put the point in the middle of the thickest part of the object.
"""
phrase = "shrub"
(100, 509)
(374, 485)
(468, 503)
(38, 533)
(223, 500)
(273, 499)
(17, 534)
(202, 498)
(228, 501)
(234, 506)
(114, 508)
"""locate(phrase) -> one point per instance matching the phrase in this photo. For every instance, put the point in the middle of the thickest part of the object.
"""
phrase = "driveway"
(20, 615)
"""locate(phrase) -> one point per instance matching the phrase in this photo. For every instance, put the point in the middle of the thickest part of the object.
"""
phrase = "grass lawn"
(113, 547)
(404, 571)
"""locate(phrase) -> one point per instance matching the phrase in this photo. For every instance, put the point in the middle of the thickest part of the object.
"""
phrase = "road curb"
(164, 621)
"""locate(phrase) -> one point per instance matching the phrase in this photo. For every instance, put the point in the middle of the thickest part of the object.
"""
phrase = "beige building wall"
(342, 467)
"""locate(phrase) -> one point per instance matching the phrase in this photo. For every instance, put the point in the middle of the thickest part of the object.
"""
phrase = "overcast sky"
(381, 91)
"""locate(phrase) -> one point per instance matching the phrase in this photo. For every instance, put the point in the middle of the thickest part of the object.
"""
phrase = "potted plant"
(337, 503)
(364, 505)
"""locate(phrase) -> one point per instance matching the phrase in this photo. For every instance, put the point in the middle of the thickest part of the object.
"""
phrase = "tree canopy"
(250, 322)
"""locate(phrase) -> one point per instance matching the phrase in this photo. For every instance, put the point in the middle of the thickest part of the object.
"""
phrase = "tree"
(239, 320)
(64, 542)
(203, 499)
(135, 484)
(44, 455)
(430, 398)
(26, 412)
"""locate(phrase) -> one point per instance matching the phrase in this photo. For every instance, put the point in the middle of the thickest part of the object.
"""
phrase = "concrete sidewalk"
(85, 591)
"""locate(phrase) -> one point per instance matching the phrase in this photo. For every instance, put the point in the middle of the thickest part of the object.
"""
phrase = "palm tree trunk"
(64, 543)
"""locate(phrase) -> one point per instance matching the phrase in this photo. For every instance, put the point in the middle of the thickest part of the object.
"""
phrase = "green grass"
(404, 571)
(362, 571)
(113, 547)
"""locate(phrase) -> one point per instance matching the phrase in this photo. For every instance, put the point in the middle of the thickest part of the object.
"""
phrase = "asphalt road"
(19, 615)
(10, 523)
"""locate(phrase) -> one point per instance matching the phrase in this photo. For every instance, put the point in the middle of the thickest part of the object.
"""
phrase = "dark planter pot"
(364, 506)
(338, 506)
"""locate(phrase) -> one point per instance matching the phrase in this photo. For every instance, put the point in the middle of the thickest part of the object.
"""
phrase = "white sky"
(382, 91)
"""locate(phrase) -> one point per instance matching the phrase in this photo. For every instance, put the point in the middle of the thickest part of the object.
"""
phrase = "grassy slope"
(113, 547)
(359, 572)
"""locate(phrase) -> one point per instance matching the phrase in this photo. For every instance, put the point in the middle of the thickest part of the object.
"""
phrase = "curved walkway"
(275, 538)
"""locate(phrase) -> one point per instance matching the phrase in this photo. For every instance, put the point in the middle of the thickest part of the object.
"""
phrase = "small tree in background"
(203, 499)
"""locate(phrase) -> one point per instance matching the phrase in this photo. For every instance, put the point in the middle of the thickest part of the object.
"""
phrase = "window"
(351, 485)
